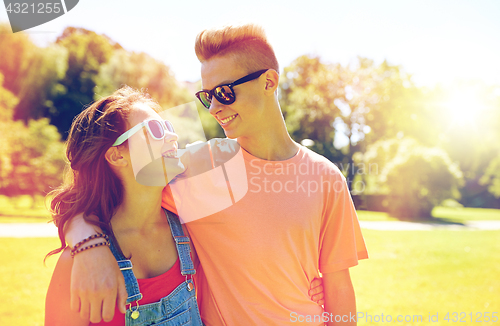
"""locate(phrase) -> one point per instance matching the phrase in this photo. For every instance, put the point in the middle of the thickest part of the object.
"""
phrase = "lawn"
(444, 214)
(408, 273)
(22, 210)
(429, 272)
(24, 279)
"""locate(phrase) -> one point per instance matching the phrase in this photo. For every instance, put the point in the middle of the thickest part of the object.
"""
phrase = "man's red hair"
(247, 44)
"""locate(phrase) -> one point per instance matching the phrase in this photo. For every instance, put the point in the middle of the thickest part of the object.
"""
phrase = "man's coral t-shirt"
(259, 256)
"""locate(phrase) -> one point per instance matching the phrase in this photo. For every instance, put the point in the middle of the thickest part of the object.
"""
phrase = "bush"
(31, 159)
(419, 177)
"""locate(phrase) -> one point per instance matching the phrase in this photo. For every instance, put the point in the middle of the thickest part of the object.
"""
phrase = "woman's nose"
(171, 137)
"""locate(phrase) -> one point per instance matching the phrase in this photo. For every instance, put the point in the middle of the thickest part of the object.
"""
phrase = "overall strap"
(125, 265)
(181, 243)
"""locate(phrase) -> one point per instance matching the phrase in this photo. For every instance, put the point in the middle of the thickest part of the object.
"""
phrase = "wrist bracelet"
(93, 236)
(78, 250)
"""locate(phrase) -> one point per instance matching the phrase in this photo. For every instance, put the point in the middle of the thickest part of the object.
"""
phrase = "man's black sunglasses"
(224, 93)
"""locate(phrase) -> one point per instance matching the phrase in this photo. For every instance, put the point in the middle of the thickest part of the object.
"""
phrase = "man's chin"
(230, 134)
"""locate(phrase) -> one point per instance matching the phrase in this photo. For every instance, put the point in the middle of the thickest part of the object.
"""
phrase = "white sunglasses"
(156, 129)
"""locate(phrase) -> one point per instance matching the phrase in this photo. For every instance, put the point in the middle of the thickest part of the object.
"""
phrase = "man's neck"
(274, 144)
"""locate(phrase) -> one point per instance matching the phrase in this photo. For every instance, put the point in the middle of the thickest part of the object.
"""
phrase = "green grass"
(459, 215)
(467, 214)
(22, 210)
(24, 279)
(374, 216)
(422, 272)
(408, 273)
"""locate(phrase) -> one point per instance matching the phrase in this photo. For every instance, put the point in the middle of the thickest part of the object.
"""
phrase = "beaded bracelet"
(93, 236)
(74, 252)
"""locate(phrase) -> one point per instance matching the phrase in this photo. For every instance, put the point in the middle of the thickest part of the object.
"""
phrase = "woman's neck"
(140, 209)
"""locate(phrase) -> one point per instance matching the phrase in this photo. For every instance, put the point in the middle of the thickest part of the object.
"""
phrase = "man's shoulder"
(321, 163)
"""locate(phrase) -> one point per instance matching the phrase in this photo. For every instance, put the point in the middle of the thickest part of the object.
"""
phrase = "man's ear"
(115, 157)
(272, 81)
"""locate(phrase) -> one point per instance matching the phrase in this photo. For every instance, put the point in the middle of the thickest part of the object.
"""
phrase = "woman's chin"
(160, 172)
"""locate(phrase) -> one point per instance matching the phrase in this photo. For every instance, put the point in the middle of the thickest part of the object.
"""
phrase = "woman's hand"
(317, 292)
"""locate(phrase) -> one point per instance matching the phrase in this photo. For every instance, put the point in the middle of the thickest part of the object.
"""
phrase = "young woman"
(141, 234)
(104, 153)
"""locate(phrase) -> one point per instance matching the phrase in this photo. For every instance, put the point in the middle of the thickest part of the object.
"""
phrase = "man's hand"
(316, 292)
(97, 284)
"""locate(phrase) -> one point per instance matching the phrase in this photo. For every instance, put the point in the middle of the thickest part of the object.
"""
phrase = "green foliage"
(16, 52)
(141, 71)
(31, 157)
(31, 73)
(307, 91)
(418, 178)
(361, 100)
(41, 82)
(491, 178)
(361, 103)
(468, 114)
(86, 52)
(7, 102)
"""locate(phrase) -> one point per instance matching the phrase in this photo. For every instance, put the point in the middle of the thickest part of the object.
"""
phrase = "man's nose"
(215, 106)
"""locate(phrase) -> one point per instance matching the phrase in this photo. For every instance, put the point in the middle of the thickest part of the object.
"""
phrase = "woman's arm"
(57, 301)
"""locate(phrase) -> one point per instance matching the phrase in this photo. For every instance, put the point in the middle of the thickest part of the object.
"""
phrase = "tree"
(141, 71)
(17, 50)
(491, 177)
(31, 157)
(468, 114)
(417, 178)
(361, 103)
(40, 83)
(31, 73)
(7, 102)
(87, 51)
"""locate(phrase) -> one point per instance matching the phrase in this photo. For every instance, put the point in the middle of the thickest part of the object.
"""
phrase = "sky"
(437, 41)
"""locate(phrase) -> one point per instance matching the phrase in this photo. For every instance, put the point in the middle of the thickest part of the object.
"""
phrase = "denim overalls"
(177, 308)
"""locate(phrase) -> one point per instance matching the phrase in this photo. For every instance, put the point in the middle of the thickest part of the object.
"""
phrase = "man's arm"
(97, 283)
(340, 300)
(57, 307)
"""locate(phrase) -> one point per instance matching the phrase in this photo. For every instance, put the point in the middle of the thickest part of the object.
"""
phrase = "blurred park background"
(411, 150)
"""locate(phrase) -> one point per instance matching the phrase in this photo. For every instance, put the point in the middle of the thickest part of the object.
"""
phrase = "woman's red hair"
(90, 186)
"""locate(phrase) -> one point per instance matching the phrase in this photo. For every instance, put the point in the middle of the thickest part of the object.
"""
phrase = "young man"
(297, 219)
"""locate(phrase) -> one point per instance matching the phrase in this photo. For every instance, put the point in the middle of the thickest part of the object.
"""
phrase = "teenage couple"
(254, 262)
